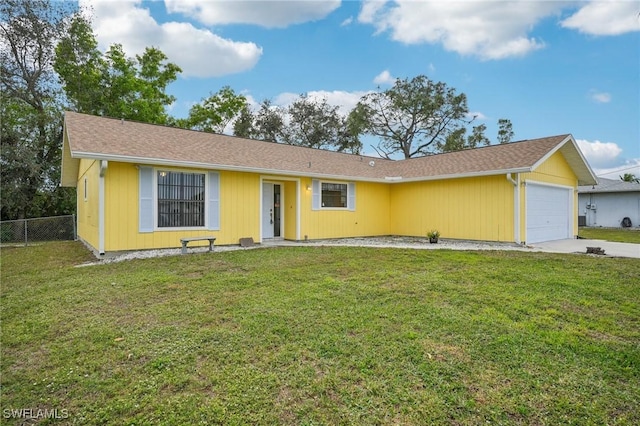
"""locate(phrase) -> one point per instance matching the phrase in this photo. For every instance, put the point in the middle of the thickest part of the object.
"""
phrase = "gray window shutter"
(145, 212)
(316, 194)
(351, 196)
(214, 201)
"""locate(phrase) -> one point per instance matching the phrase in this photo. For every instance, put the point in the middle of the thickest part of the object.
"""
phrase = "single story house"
(608, 203)
(143, 186)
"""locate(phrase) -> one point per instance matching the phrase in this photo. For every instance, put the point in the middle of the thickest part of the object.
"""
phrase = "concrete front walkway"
(580, 246)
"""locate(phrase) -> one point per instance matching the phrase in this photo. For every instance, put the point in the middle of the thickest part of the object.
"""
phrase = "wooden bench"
(186, 241)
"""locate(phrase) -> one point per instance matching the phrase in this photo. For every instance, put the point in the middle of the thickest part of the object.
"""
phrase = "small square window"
(334, 195)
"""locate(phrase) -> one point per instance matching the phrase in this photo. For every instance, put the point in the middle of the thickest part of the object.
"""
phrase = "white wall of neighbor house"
(609, 209)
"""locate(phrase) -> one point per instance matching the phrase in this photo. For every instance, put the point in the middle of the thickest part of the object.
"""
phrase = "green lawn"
(321, 335)
(621, 235)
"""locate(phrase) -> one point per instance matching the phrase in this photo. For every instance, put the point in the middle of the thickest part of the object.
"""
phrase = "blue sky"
(549, 67)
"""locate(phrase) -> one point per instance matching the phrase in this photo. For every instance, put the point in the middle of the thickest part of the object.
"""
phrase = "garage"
(549, 213)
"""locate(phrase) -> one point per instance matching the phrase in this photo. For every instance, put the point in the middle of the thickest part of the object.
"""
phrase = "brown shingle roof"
(516, 156)
(88, 136)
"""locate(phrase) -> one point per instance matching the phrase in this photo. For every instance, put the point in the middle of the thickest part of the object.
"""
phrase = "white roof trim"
(576, 148)
(210, 166)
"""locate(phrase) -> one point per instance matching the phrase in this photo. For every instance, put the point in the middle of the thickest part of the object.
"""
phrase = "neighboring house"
(608, 202)
(143, 186)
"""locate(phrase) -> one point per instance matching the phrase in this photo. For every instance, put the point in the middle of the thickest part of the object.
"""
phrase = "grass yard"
(321, 335)
(620, 235)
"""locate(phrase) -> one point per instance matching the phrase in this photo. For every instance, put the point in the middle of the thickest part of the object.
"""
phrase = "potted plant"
(433, 236)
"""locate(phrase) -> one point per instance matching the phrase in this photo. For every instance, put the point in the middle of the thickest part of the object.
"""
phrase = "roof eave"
(581, 168)
(70, 164)
(462, 175)
(211, 166)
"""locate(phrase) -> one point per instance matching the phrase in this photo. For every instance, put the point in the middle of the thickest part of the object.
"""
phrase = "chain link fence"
(25, 231)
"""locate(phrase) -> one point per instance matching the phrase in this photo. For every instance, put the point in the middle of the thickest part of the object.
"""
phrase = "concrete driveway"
(580, 246)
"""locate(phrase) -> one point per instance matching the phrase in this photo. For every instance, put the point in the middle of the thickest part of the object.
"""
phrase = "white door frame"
(280, 180)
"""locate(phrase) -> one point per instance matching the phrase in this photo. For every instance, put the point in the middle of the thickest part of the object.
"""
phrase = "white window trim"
(155, 200)
(350, 196)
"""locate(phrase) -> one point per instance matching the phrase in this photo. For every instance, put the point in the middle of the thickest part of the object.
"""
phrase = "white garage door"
(549, 213)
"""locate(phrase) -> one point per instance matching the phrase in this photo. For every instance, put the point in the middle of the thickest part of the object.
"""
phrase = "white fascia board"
(462, 175)
(551, 152)
(300, 173)
(568, 139)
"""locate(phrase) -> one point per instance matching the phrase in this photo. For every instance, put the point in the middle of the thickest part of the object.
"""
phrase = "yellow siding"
(555, 171)
(239, 211)
(478, 208)
(88, 210)
(239, 207)
(289, 208)
(371, 215)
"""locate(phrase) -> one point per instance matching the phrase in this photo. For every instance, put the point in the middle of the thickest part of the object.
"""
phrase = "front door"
(271, 211)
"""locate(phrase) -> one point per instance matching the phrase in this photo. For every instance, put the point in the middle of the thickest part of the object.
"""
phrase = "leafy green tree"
(267, 124)
(455, 141)
(113, 84)
(217, 111)
(629, 177)
(316, 124)
(306, 122)
(243, 125)
(505, 131)
(413, 118)
(477, 137)
(30, 109)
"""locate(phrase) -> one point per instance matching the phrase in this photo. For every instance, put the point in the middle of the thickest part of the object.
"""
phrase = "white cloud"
(605, 159)
(345, 101)
(131, 24)
(347, 22)
(476, 115)
(600, 97)
(488, 29)
(600, 154)
(384, 78)
(269, 14)
(630, 166)
(612, 17)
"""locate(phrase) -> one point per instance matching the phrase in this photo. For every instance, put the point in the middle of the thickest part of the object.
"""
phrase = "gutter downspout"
(103, 170)
(516, 206)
